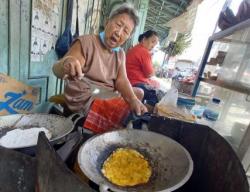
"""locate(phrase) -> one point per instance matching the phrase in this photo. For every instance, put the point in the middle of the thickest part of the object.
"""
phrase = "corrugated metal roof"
(162, 11)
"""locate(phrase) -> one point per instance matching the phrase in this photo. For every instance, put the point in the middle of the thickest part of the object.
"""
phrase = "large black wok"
(59, 126)
(171, 163)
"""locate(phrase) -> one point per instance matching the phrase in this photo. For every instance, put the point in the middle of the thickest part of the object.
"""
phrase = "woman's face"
(118, 30)
(150, 42)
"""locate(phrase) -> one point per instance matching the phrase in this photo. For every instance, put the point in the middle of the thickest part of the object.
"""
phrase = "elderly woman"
(139, 66)
(96, 74)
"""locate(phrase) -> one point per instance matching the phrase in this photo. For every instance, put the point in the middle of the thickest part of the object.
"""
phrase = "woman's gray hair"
(127, 8)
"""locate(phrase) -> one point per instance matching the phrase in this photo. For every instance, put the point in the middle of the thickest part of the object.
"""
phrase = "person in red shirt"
(140, 68)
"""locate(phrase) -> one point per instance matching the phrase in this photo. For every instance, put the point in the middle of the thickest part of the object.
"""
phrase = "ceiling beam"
(168, 9)
(167, 3)
(159, 13)
(155, 10)
(175, 8)
(161, 32)
(159, 2)
(154, 22)
(161, 16)
(158, 27)
(158, 30)
(162, 11)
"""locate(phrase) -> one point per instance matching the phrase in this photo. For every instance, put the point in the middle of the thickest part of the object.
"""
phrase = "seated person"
(139, 66)
(94, 68)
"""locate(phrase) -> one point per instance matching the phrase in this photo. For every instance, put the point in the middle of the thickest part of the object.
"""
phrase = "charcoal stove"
(213, 172)
(45, 173)
(17, 171)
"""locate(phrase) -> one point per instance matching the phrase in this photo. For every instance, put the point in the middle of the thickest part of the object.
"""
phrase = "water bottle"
(212, 112)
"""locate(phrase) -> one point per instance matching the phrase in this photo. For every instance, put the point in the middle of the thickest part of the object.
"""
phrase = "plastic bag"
(65, 40)
(170, 98)
(167, 107)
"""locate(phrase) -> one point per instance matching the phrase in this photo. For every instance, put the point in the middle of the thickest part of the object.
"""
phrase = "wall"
(17, 38)
(15, 44)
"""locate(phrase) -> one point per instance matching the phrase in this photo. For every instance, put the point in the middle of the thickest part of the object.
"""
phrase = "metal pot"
(171, 163)
(59, 126)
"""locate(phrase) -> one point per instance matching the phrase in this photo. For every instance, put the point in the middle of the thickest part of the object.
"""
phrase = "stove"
(46, 172)
(50, 171)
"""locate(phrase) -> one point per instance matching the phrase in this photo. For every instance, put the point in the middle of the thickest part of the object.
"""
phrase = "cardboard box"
(16, 97)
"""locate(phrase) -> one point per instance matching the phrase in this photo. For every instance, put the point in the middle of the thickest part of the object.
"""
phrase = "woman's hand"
(72, 67)
(71, 64)
(137, 106)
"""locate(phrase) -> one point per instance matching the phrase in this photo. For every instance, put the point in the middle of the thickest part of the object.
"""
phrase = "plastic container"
(198, 110)
(212, 112)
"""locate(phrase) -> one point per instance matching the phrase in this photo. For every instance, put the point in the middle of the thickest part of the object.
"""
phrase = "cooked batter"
(23, 137)
(126, 167)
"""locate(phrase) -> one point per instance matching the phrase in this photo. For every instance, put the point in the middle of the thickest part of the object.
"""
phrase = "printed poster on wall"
(44, 28)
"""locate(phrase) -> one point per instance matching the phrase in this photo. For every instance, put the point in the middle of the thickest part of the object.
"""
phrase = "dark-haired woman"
(139, 66)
